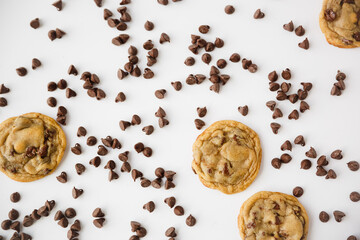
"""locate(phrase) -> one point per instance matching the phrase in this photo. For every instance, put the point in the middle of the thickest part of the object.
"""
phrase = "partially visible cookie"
(31, 146)
(273, 215)
(227, 156)
(340, 22)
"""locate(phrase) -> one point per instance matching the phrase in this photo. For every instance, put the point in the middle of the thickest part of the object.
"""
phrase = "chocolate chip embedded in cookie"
(227, 156)
(273, 215)
(339, 21)
(31, 146)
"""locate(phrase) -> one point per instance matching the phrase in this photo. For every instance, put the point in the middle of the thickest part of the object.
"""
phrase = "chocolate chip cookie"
(31, 146)
(227, 156)
(339, 21)
(273, 215)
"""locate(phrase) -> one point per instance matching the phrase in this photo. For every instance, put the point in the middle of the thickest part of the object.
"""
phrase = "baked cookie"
(227, 156)
(31, 146)
(339, 21)
(273, 215)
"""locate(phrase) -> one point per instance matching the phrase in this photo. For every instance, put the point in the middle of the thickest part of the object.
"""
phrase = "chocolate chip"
(324, 217)
(28, 221)
(271, 105)
(304, 106)
(62, 111)
(275, 127)
(77, 192)
(169, 175)
(163, 122)
(204, 29)
(135, 174)
(35, 63)
(35, 23)
(15, 197)
(135, 226)
(286, 74)
(76, 149)
(353, 165)
(322, 161)
(219, 43)
(221, 63)
(338, 215)
(299, 31)
(96, 161)
(243, 110)
(3, 102)
(299, 140)
(58, 215)
(305, 164)
(340, 76)
(149, 206)
(285, 158)
(62, 177)
(289, 26)
(59, 33)
(160, 94)
(206, 58)
(274, 87)
(147, 152)
(294, 115)
(125, 167)
(340, 84)
(229, 9)
(163, 2)
(98, 3)
(148, 129)
(281, 96)
(330, 174)
(190, 221)
(320, 171)
(337, 154)
(81, 132)
(277, 113)
(5, 225)
(164, 38)
(189, 61)
(298, 192)
(13, 214)
(98, 213)
(120, 40)
(70, 213)
(286, 146)
(201, 111)
(112, 175)
(35, 215)
(124, 124)
(149, 25)
(199, 124)
(335, 90)
(63, 222)
(141, 232)
(70, 93)
(21, 71)
(156, 183)
(52, 35)
(355, 196)
(159, 172)
(135, 120)
(169, 184)
(307, 86)
(311, 153)
(235, 57)
(110, 165)
(124, 156)
(352, 237)
(145, 183)
(58, 5)
(304, 44)
(170, 232)
(170, 201)
(102, 151)
(99, 222)
(258, 14)
(179, 210)
(4, 89)
(139, 147)
(51, 101)
(330, 15)
(273, 76)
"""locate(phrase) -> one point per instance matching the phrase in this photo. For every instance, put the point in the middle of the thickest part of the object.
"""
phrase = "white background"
(332, 122)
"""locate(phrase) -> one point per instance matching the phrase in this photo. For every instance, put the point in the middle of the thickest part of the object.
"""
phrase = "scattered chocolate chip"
(112, 175)
(98, 3)
(35, 23)
(243, 110)
(353, 165)
(285, 158)
(156, 183)
(170, 201)
(98, 213)
(77, 192)
(76, 149)
(235, 57)
(21, 71)
(160, 113)
(163, 122)
(135, 174)
(330, 174)
(15, 197)
(281, 96)
(147, 152)
(13, 214)
(59, 33)
(298, 192)
(28, 221)
(285, 87)
(58, 215)
(273, 76)
(62, 177)
(70, 213)
(206, 58)
(289, 26)
(164, 38)
(311, 153)
(305, 164)
(199, 124)
(286, 74)
(51, 101)
(277, 113)
(322, 161)
(221, 63)
(125, 167)
(189, 61)
(271, 105)
(63, 222)
(275, 127)
(58, 5)
(170, 232)
(163, 2)
(160, 94)
(149, 25)
(320, 171)
(219, 43)
(355, 196)
(70, 93)
(149, 206)
(99, 222)
(35, 63)
(294, 115)
(124, 156)
(300, 140)
(338, 215)
(102, 151)
(258, 14)
(229, 9)
(5, 225)
(337, 154)
(335, 90)
(304, 44)
(352, 237)
(204, 29)
(304, 106)
(201, 111)
(124, 124)
(299, 31)
(286, 146)
(190, 221)
(324, 217)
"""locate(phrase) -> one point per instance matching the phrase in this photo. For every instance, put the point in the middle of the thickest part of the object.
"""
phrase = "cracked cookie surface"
(339, 21)
(31, 146)
(227, 156)
(273, 215)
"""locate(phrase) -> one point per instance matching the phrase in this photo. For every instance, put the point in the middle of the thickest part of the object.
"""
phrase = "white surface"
(332, 122)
